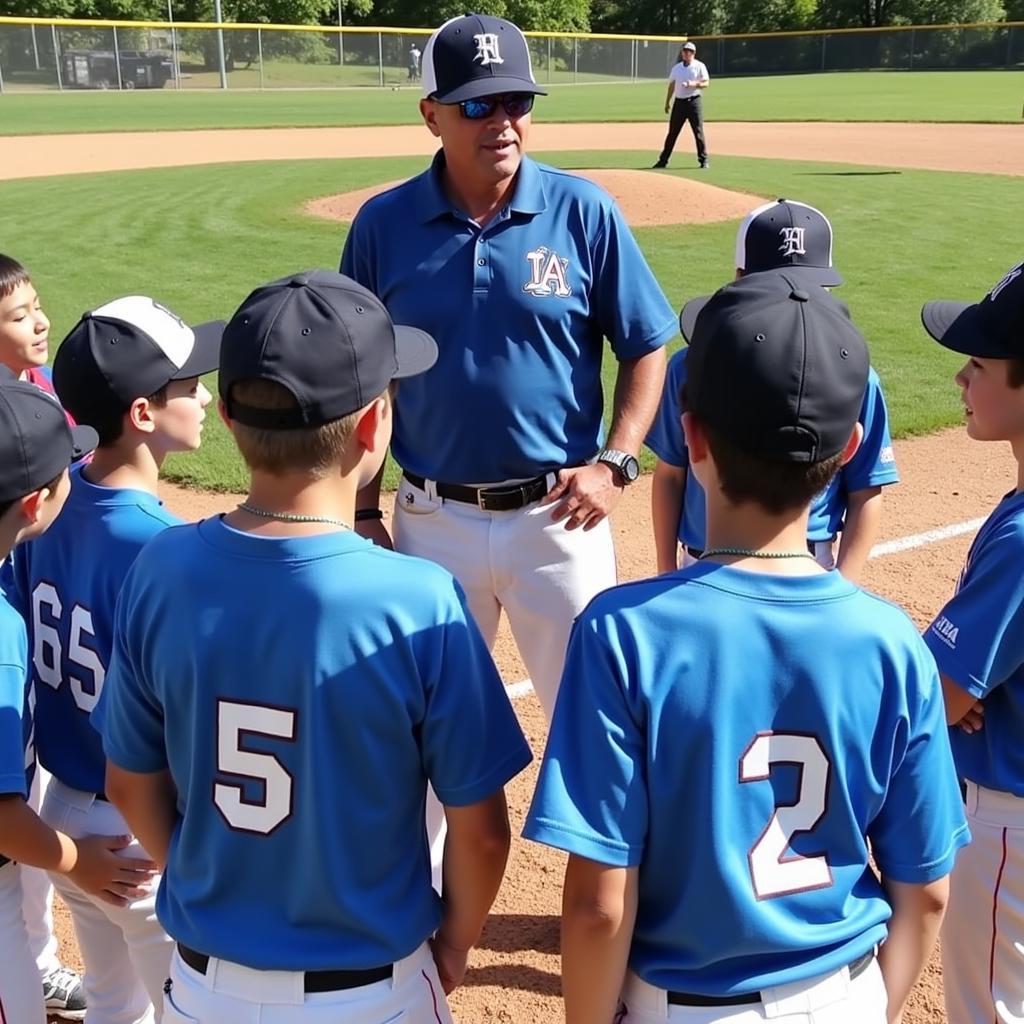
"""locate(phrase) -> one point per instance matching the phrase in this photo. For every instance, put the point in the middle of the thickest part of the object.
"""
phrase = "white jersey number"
(48, 650)
(265, 772)
(771, 870)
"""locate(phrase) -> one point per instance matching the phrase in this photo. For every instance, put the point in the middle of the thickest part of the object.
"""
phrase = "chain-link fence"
(52, 55)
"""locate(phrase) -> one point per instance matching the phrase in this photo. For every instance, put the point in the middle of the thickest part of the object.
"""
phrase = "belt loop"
(430, 489)
(971, 800)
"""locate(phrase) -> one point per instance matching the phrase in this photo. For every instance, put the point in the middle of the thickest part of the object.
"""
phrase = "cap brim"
(415, 351)
(827, 277)
(205, 357)
(83, 440)
(490, 87)
(959, 326)
(689, 313)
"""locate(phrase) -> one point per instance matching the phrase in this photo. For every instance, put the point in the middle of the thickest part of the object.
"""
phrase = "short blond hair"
(313, 450)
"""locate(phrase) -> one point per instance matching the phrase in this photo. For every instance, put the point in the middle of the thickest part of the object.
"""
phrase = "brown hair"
(6, 506)
(12, 274)
(109, 422)
(1015, 373)
(776, 486)
(313, 450)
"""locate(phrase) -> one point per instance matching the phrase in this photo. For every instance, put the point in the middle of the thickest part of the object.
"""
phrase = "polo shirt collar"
(432, 202)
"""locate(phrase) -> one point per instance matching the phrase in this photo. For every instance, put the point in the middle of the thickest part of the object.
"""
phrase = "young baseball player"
(36, 447)
(978, 643)
(130, 369)
(717, 781)
(776, 235)
(24, 334)
(271, 732)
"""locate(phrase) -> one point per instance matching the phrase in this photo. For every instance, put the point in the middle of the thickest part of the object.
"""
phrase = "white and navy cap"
(476, 55)
(785, 234)
(126, 349)
(690, 46)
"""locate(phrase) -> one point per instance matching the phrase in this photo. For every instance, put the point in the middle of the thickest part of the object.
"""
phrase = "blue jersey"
(17, 756)
(301, 697)
(872, 466)
(700, 737)
(519, 308)
(978, 641)
(67, 582)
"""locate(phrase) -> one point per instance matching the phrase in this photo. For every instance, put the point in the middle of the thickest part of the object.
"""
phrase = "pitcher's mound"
(645, 197)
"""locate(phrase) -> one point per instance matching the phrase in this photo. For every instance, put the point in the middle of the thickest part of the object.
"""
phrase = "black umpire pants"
(684, 110)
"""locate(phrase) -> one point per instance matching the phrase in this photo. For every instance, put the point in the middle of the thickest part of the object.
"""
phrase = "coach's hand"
(101, 871)
(375, 530)
(585, 495)
(451, 963)
(974, 719)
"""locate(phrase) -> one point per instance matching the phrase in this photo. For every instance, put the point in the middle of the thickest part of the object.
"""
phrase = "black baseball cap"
(477, 55)
(326, 339)
(778, 367)
(126, 349)
(785, 233)
(36, 442)
(992, 328)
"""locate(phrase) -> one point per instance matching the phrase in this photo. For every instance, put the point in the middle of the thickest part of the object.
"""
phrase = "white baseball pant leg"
(542, 574)
(828, 999)
(127, 953)
(21, 992)
(983, 932)
(824, 553)
(231, 994)
(38, 890)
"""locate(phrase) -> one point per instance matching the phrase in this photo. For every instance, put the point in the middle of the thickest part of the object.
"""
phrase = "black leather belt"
(315, 981)
(857, 968)
(490, 499)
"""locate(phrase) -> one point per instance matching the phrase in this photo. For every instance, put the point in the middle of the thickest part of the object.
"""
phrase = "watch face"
(630, 469)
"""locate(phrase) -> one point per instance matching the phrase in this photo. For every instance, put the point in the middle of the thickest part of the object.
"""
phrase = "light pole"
(341, 38)
(220, 45)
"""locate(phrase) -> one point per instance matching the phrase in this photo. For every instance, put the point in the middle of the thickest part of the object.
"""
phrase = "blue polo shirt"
(520, 309)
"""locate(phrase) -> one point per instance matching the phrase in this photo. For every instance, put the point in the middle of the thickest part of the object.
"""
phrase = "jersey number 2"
(236, 722)
(772, 872)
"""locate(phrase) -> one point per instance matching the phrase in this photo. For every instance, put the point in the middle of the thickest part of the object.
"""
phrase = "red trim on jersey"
(433, 996)
(995, 907)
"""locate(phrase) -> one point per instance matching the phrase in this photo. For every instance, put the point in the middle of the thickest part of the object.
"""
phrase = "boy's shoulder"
(128, 515)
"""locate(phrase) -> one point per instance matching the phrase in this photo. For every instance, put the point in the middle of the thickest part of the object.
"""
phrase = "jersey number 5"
(48, 651)
(263, 772)
(772, 872)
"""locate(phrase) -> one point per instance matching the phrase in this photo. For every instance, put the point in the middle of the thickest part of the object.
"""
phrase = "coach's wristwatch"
(626, 464)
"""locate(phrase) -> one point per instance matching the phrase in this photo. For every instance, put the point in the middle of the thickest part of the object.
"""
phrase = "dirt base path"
(997, 149)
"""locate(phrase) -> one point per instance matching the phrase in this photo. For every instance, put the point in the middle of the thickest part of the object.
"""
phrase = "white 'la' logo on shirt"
(547, 274)
(487, 49)
(792, 242)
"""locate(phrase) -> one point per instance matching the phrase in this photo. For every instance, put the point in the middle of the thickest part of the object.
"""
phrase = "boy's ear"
(368, 426)
(696, 439)
(854, 443)
(222, 411)
(140, 416)
(32, 506)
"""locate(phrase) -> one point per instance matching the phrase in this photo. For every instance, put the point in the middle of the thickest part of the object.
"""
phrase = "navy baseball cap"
(992, 328)
(777, 366)
(476, 55)
(323, 337)
(126, 349)
(36, 443)
(785, 233)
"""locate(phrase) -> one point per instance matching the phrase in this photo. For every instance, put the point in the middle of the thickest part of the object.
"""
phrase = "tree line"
(658, 17)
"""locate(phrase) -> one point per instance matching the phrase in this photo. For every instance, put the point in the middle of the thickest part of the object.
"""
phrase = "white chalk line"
(516, 691)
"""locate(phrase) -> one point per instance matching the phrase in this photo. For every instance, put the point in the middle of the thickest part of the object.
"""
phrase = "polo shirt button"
(481, 263)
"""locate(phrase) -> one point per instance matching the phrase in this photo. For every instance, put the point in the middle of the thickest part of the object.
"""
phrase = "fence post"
(549, 58)
(35, 46)
(380, 58)
(259, 50)
(575, 57)
(912, 31)
(117, 60)
(341, 38)
(175, 58)
(220, 45)
(56, 57)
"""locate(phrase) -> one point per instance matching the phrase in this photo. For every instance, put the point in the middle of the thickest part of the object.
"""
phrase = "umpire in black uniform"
(685, 82)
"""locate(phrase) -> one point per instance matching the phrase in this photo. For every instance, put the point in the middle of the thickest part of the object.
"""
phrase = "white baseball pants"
(983, 932)
(231, 994)
(827, 999)
(38, 896)
(21, 991)
(126, 951)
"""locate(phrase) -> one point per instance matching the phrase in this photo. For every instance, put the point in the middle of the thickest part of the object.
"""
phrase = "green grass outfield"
(199, 238)
(993, 96)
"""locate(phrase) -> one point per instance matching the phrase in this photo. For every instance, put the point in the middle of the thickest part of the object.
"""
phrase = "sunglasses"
(515, 104)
